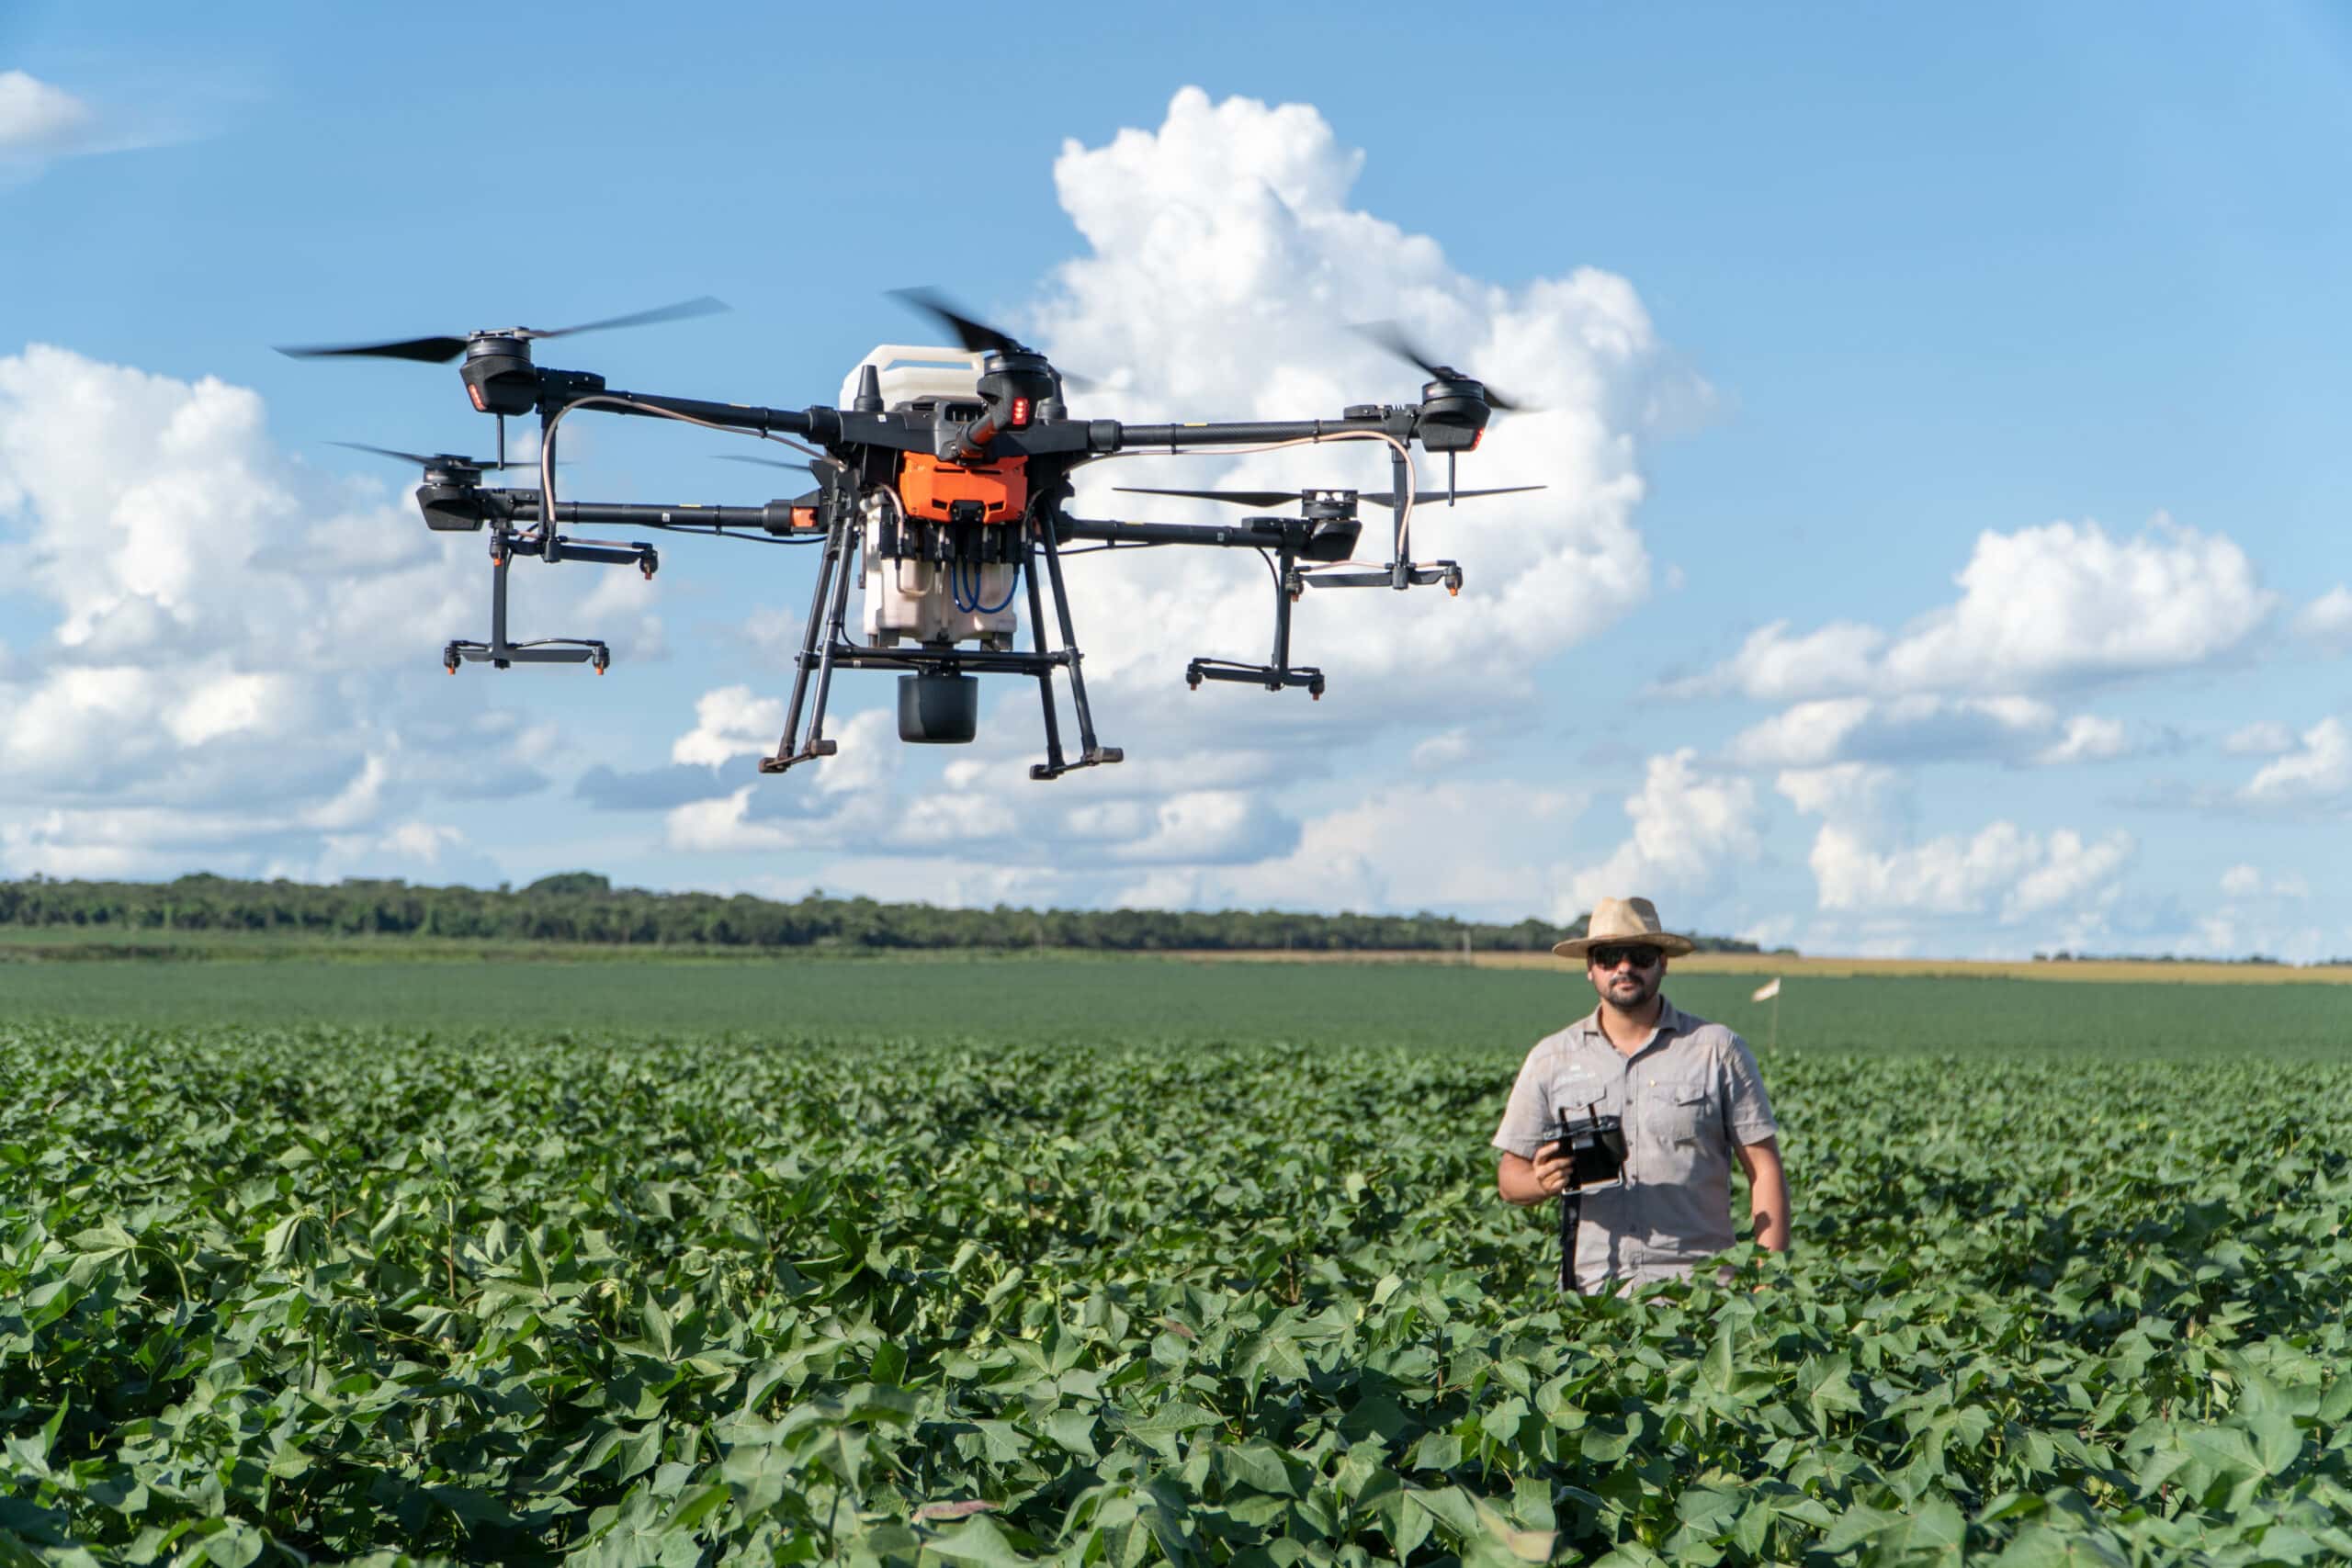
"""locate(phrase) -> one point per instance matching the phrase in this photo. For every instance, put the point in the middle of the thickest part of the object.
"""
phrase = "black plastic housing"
(498, 375)
(1454, 414)
(939, 710)
(450, 509)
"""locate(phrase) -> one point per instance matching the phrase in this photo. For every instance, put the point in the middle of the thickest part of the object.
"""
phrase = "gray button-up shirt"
(1688, 1098)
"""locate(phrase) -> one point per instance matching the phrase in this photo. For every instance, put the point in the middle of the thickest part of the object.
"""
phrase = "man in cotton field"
(1691, 1100)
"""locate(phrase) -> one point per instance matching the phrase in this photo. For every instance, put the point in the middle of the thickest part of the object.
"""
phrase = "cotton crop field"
(1115, 1261)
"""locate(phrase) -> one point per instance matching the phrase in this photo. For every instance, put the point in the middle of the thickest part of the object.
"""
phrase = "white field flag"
(1766, 992)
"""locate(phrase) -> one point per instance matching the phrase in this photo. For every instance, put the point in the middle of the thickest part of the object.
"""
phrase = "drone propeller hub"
(498, 375)
(1454, 412)
(1014, 383)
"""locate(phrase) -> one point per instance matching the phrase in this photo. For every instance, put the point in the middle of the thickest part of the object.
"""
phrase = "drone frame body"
(957, 485)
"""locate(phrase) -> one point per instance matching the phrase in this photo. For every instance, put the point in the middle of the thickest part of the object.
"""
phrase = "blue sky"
(1945, 421)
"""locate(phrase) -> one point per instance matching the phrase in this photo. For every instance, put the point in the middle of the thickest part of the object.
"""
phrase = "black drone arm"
(1395, 423)
(775, 517)
(561, 389)
(465, 508)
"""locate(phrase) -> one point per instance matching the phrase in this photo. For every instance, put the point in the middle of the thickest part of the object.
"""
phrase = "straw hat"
(1618, 921)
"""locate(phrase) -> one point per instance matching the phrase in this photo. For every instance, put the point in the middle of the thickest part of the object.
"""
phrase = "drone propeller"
(441, 350)
(1237, 497)
(1292, 497)
(439, 459)
(1390, 336)
(1432, 497)
(975, 335)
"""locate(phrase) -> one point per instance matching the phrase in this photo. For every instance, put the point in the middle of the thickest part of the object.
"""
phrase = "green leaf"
(697, 1506)
(1074, 1431)
(1256, 1464)
(976, 1540)
(1717, 1369)
(658, 1328)
(1175, 1418)
(2276, 1439)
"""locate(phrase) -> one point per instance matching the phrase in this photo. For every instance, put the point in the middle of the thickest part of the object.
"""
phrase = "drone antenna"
(502, 441)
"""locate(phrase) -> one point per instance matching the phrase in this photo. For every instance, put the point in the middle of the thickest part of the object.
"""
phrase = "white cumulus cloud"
(1925, 728)
(38, 119)
(2318, 770)
(1862, 863)
(231, 643)
(2328, 620)
(1226, 269)
(2041, 607)
(1689, 830)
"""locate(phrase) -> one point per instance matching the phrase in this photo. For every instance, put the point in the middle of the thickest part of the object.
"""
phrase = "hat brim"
(1673, 946)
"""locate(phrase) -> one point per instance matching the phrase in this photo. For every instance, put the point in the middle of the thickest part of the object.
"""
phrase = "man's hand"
(1524, 1181)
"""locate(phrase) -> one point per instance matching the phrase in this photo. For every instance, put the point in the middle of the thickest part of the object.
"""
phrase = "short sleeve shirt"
(1688, 1098)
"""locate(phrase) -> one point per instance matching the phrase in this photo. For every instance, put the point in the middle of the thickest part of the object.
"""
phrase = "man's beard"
(1646, 987)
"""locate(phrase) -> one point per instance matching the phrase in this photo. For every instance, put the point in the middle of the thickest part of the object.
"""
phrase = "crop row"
(333, 1294)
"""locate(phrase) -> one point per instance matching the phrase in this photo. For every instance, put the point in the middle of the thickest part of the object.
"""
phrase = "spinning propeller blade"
(1391, 336)
(1237, 497)
(977, 336)
(682, 311)
(441, 350)
(439, 459)
(1432, 497)
(424, 350)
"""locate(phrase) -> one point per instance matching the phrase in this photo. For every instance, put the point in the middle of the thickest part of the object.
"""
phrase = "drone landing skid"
(542, 651)
(500, 654)
(1273, 677)
(1444, 571)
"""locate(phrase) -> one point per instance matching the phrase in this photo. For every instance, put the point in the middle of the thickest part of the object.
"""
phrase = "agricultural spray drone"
(947, 476)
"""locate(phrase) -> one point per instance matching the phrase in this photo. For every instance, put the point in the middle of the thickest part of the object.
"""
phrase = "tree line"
(584, 907)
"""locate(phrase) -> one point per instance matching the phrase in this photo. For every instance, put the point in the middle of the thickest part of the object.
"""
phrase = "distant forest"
(582, 906)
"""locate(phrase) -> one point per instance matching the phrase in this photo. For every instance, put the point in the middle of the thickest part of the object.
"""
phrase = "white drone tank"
(909, 598)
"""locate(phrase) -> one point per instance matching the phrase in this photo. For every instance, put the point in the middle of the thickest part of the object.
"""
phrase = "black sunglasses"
(1638, 956)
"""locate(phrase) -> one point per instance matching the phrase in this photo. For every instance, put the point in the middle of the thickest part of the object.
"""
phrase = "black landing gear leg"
(1091, 753)
(827, 605)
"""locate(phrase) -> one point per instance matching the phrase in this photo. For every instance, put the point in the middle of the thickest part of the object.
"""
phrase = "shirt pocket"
(1687, 1110)
(1576, 1094)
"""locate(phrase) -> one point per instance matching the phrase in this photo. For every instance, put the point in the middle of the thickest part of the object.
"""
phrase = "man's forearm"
(1516, 1180)
(1769, 1199)
(1768, 1193)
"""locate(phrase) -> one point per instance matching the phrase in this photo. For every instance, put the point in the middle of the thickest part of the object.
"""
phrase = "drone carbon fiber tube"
(775, 517)
(1239, 536)
(735, 416)
(1134, 436)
